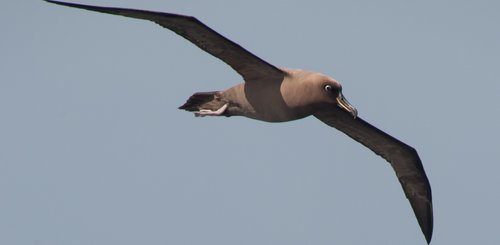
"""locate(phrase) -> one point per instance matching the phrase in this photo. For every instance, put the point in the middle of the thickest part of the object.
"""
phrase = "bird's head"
(331, 91)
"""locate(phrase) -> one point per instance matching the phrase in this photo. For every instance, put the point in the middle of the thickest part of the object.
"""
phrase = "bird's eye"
(328, 88)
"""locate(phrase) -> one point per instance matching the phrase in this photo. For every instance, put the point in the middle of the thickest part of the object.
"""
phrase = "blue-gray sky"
(94, 151)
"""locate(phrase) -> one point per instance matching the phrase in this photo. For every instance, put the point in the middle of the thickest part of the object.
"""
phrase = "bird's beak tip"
(344, 104)
(354, 114)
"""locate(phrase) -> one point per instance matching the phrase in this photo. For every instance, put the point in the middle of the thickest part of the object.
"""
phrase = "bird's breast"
(261, 101)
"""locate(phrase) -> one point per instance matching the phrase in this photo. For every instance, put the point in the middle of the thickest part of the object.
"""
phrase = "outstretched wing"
(251, 67)
(402, 157)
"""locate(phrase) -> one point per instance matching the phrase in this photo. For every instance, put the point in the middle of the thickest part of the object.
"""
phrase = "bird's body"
(272, 94)
(271, 101)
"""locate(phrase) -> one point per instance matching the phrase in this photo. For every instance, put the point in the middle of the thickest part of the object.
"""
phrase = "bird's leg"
(203, 112)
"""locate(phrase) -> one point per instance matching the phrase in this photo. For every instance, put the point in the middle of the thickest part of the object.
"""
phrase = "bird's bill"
(344, 104)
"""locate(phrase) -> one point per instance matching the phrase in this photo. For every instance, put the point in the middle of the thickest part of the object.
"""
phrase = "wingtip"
(426, 222)
(428, 239)
(428, 236)
(63, 3)
(55, 2)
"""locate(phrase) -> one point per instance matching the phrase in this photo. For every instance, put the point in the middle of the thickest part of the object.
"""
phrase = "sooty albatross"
(278, 95)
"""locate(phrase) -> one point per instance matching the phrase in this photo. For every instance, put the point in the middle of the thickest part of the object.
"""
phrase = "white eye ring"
(328, 88)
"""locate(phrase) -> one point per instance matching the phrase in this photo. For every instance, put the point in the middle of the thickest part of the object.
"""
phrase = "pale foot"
(203, 113)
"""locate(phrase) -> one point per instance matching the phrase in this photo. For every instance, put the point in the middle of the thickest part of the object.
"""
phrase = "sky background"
(93, 149)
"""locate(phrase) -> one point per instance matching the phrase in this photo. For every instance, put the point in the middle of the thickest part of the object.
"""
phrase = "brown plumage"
(279, 95)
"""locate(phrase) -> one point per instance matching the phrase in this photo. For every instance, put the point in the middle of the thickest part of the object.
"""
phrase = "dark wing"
(245, 63)
(402, 157)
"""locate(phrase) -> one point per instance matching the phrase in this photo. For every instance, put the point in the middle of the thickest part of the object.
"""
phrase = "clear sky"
(93, 149)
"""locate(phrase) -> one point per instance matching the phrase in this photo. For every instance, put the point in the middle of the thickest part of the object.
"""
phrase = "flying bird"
(274, 94)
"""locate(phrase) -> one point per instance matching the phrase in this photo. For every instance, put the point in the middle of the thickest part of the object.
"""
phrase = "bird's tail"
(203, 101)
